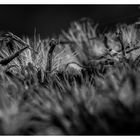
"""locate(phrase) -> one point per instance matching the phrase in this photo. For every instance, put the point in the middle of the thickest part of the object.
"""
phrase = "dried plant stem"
(52, 44)
(7, 60)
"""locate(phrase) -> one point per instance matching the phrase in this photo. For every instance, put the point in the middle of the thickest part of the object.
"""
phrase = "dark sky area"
(51, 19)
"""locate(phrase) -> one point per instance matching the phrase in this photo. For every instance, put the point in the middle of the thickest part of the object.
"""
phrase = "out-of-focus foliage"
(97, 93)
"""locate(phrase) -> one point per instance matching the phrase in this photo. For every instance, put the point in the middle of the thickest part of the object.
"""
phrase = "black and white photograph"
(69, 69)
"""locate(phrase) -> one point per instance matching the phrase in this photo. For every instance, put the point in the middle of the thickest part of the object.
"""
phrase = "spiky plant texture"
(42, 93)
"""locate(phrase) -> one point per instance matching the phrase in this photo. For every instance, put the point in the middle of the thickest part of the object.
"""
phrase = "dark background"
(51, 19)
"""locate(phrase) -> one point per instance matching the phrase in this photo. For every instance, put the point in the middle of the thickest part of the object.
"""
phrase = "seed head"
(53, 43)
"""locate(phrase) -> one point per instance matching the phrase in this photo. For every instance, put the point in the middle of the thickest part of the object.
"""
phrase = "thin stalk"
(52, 45)
(7, 60)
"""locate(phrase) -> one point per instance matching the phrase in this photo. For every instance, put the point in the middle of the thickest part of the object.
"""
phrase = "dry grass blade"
(7, 60)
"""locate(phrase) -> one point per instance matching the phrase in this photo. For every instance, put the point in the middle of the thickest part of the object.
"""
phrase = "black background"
(51, 19)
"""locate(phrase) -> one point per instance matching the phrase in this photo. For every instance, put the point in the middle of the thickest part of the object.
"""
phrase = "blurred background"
(49, 20)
